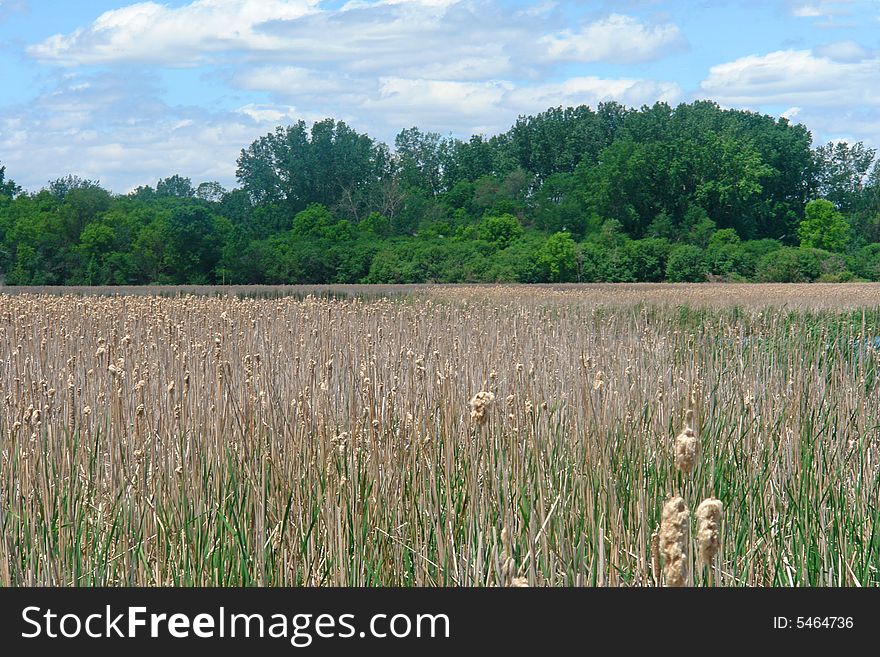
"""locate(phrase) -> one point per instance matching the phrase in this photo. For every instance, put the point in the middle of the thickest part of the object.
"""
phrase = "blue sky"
(130, 92)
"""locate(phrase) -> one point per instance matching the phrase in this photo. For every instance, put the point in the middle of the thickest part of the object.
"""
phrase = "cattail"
(507, 563)
(480, 405)
(674, 536)
(687, 446)
(708, 522)
(655, 554)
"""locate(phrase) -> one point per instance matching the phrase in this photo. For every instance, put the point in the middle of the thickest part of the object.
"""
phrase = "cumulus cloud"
(794, 77)
(485, 36)
(453, 105)
(156, 33)
(616, 38)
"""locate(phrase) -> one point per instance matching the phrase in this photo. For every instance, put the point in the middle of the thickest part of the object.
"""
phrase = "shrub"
(686, 265)
(866, 262)
(558, 258)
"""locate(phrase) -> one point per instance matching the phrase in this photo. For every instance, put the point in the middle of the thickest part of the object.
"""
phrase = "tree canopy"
(686, 193)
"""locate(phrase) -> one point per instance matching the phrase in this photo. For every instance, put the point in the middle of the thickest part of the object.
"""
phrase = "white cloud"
(385, 36)
(151, 32)
(843, 51)
(831, 13)
(849, 124)
(431, 104)
(836, 99)
(270, 114)
(592, 91)
(490, 107)
(617, 38)
(292, 81)
(113, 129)
(807, 11)
(794, 77)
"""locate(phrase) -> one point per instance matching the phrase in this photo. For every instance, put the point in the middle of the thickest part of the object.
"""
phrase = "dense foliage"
(689, 193)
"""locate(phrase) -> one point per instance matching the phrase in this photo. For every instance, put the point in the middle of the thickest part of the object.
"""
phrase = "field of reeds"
(489, 436)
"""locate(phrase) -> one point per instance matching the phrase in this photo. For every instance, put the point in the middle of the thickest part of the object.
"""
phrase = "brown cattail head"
(708, 523)
(480, 405)
(687, 446)
(507, 563)
(674, 536)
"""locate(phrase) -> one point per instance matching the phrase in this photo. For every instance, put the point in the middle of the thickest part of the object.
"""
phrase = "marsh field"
(441, 436)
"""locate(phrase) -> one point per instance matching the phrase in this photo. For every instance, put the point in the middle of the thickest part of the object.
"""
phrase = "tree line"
(686, 193)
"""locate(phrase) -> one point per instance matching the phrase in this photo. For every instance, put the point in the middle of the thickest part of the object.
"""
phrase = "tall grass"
(231, 440)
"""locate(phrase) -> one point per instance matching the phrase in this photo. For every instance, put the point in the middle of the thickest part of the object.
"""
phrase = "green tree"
(842, 172)
(175, 186)
(724, 253)
(194, 244)
(420, 159)
(468, 161)
(314, 221)
(866, 262)
(212, 192)
(647, 258)
(558, 258)
(375, 224)
(61, 187)
(801, 265)
(686, 265)
(555, 141)
(500, 230)
(81, 205)
(8, 188)
(824, 227)
(331, 164)
(96, 244)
